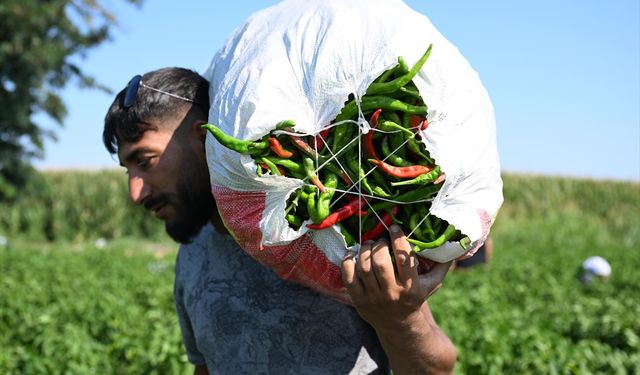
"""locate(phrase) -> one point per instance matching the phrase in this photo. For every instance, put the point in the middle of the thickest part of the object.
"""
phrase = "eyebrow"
(133, 155)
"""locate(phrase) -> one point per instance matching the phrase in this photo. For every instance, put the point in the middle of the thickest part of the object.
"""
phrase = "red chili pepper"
(309, 169)
(368, 138)
(344, 212)
(321, 138)
(381, 226)
(425, 125)
(304, 146)
(316, 181)
(277, 148)
(410, 171)
(418, 122)
(415, 120)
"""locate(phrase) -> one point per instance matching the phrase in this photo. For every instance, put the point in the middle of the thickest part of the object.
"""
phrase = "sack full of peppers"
(332, 120)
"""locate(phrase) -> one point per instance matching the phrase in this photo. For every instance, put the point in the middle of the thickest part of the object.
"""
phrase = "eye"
(145, 162)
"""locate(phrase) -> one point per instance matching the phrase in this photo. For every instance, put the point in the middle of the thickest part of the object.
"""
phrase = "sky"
(563, 76)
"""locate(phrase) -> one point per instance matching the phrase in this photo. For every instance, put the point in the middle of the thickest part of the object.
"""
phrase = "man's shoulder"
(203, 236)
(194, 253)
(206, 239)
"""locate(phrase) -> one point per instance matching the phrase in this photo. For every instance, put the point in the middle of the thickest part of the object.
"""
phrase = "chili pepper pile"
(362, 183)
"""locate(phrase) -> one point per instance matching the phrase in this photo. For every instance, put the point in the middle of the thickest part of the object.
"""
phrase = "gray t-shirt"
(239, 317)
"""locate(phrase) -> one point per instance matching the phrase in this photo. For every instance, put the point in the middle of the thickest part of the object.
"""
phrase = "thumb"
(432, 280)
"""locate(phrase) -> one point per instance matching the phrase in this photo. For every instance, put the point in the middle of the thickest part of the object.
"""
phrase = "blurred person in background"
(236, 315)
(482, 257)
(595, 268)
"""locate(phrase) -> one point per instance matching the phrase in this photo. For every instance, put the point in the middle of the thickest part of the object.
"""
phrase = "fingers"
(381, 264)
(373, 270)
(432, 280)
(405, 262)
(349, 277)
(365, 267)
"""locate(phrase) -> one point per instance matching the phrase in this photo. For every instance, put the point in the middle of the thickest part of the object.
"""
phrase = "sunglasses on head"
(134, 85)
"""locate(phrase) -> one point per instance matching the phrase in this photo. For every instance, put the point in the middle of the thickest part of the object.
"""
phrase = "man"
(237, 316)
(481, 257)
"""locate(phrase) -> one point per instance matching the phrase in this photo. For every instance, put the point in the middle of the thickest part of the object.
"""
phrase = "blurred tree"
(38, 40)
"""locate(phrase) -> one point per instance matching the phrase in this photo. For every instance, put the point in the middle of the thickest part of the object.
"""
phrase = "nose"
(138, 189)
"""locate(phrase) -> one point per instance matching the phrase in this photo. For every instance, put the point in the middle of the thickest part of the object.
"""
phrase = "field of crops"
(96, 305)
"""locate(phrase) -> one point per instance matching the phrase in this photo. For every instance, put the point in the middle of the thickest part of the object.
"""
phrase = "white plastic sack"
(300, 60)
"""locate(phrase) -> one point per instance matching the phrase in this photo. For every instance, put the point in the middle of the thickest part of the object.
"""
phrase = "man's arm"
(394, 304)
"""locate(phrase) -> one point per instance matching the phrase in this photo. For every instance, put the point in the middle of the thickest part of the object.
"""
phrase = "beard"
(193, 203)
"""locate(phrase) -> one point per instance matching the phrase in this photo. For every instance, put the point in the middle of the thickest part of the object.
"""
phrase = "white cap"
(597, 266)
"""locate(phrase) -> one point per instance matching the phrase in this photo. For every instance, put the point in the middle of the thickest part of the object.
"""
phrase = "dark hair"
(129, 124)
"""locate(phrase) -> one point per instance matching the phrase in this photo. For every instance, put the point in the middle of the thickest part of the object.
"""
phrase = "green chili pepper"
(415, 147)
(287, 163)
(390, 126)
(414, 225)
(391, 156)
(410, 141)
(311, 208)
(235, 144)
(384, 77)
(428, 232)
(342, 134)
(415, 94)
(420, 245)
(356, 167)
(324, 201)
(426, 227)
(294, 220)
(378, 191)
(293, 204)
(391, 86)
(272, 167)
(423, 179)
(403, 67)
(304, 195)
(354, 207)
(381, 180)
(310, 171)
(409, 197)
(347, 236)
(285, 124)
(396, 143)
(437, 225)
(370, 103)
(391, 116)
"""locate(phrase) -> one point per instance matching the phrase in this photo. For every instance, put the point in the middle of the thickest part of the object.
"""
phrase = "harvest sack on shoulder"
(301, 60)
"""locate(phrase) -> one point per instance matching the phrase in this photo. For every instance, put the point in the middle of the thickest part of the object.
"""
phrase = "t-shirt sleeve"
(188, 337)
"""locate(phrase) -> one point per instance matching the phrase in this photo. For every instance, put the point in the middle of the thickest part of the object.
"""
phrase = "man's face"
(168, 175)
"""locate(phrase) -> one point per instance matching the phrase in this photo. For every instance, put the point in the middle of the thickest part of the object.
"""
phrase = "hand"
(383, 297)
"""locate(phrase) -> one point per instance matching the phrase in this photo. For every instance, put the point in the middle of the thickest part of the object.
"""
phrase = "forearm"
(392, 299)
(418, 346)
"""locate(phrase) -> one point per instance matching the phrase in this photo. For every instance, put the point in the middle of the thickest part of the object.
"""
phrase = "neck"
(217, 223)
